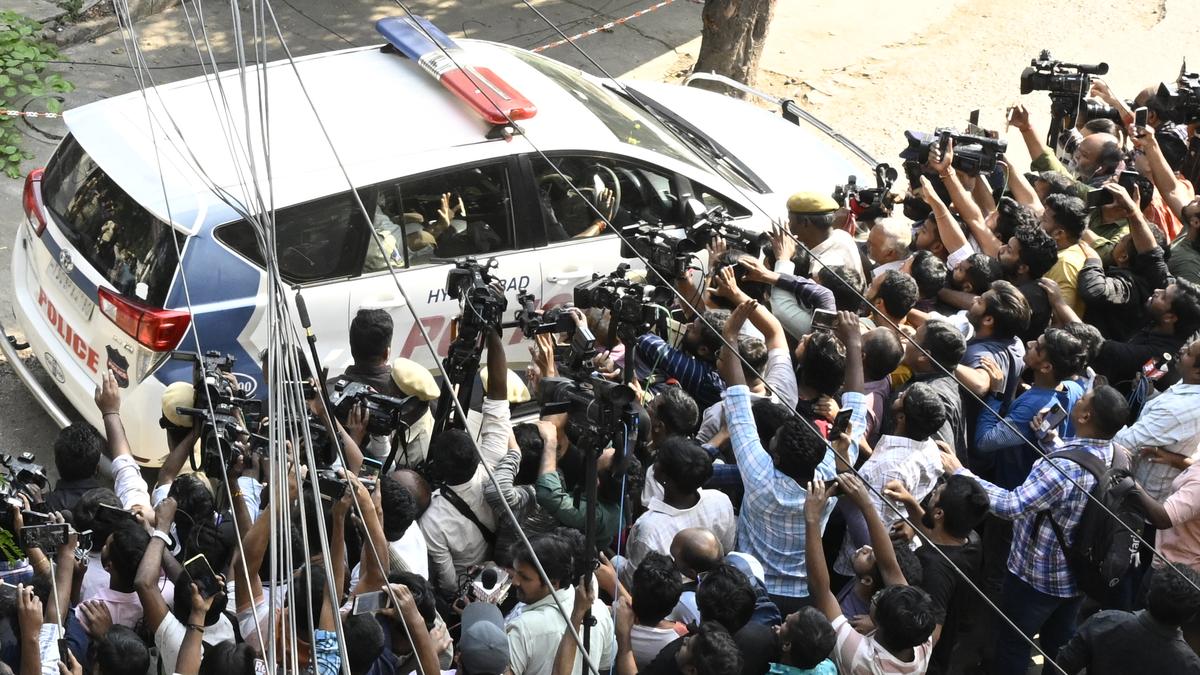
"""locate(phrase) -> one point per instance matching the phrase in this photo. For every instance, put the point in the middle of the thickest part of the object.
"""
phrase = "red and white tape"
(610, 24)
(22, 113)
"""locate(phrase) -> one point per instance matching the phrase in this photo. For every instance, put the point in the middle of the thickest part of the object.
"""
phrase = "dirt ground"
(873, 69)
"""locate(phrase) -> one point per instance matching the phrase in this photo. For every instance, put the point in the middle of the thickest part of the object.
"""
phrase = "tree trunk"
(732, 40)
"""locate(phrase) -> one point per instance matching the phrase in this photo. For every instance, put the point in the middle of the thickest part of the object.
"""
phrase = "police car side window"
(315, 241)
(574, 189)
(713, 200)
(450, 214)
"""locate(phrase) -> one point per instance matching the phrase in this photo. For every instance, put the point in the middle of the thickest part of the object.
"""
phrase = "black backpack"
(1105, 547)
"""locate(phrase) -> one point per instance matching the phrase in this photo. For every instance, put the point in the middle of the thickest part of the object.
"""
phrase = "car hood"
(787, 157)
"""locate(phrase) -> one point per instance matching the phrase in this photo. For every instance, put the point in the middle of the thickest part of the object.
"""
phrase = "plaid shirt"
(698, 378)
(1170, 421)
(771, 522)
(1036, 556)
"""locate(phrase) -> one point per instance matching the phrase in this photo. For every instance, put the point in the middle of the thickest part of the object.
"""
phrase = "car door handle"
(389, 302)
(566, 277)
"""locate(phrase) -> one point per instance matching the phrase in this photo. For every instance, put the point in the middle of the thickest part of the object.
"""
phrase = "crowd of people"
(946, 439)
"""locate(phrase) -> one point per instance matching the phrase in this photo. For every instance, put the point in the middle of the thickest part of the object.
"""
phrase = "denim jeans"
(1034, 613)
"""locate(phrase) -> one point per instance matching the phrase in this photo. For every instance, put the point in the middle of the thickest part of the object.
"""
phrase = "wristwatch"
(166, 538)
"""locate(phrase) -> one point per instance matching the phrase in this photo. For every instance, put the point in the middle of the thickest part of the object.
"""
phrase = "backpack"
(1105, 547)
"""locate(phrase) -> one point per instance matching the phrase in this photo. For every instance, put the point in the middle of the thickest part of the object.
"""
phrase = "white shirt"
(780, 378)
(857, 654)
(648, 641)
(454, 542)
(883, 269)
(916, 464)
(1171, 421)
(409, 553)
(839, 249)
(533, 636)
(169, 638)
(657, 527)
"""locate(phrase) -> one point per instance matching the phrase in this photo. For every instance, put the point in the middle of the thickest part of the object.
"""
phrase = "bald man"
(697, 550)
(888, 245)
(416, 484)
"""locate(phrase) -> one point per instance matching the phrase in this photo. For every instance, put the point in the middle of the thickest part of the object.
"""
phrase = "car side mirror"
(694, 211)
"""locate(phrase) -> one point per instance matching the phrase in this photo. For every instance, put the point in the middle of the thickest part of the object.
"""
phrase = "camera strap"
(453, 498)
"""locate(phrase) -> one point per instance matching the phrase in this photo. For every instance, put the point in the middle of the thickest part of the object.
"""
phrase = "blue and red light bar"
(440, 56)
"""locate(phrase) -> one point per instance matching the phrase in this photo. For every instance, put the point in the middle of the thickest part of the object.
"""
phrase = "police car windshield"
(627, 121)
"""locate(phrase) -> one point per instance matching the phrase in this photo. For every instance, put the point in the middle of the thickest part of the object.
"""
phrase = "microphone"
(302, 310)
(489, 578)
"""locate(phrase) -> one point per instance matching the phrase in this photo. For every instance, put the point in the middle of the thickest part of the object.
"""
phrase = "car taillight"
(159, 329)
(32, 199)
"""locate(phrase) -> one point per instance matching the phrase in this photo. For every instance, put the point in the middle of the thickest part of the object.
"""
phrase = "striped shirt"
(771, 522)
(1036, 556)
(698, 378)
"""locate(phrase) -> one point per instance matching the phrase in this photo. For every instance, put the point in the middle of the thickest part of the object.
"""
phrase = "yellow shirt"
(1066, 273)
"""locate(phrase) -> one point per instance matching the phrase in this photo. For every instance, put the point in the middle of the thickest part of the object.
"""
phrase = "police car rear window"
(131, 249)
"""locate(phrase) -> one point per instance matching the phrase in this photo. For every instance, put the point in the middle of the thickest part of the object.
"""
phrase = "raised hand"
(853, 487)
(757, 271)
(108, 394)
(894, 489)
(727, 286)
(737, 318)
(1018, 117)
(781, 243)
(1053, 292)
(1124, 201)
(941, 164)
(815, 500)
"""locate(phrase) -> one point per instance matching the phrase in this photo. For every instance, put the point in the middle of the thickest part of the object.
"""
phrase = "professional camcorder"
(973, 155)
(868, 203)
(216, 410)
(470, 282)
(483, 306)
(667, 253)
(635, 308)
(599, 412)
(385, 414)
(1058, 77)
(533, 321)
(704, 225)
(1183, 98)
(1068, 85)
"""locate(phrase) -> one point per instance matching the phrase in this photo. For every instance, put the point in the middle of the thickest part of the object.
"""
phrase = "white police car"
(98, 283)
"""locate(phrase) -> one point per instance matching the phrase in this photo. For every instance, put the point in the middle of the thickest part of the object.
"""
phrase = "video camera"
(868, 203)
(216, 410)
(1059, 77)
(470, 282)
(1068, 85)
(533, 322)
(1183, 98)
(385, 414)
(973, 155)
(635, 308)
(704, 225)
(599, 412)
(668, 254)
(20, 475)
